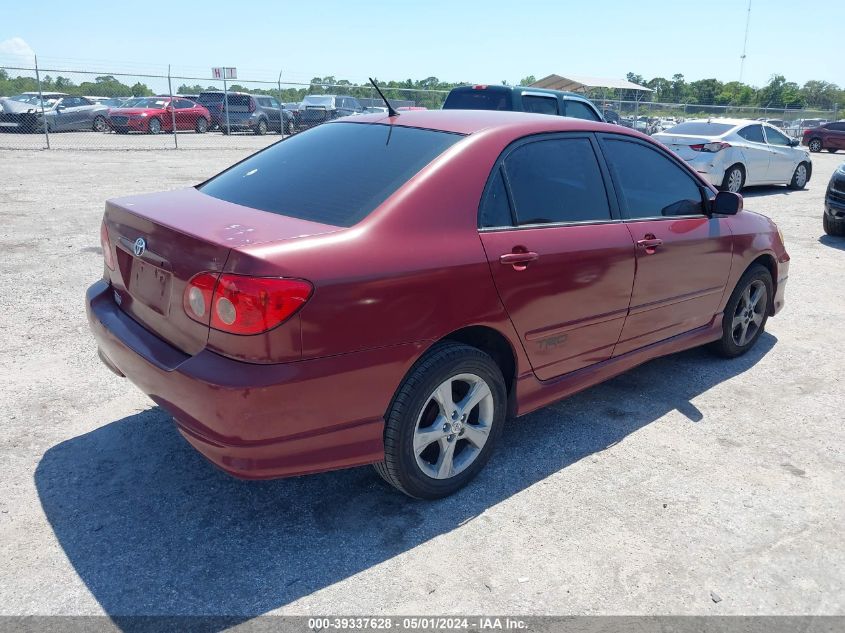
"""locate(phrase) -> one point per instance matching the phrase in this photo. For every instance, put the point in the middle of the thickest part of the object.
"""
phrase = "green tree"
(527, 81)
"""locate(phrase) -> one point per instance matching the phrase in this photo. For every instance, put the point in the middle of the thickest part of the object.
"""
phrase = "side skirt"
(533, 394)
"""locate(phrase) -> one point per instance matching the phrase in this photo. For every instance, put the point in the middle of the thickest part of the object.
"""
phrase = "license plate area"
(146, 283)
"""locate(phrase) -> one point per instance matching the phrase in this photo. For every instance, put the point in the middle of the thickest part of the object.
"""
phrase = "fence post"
(172, 108)
(226, 102)
(281, 109)
(41, 101)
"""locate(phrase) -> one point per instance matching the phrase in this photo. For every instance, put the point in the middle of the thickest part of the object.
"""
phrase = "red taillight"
(710, 147)
(106, 246)
(480, 87)
(239, 304)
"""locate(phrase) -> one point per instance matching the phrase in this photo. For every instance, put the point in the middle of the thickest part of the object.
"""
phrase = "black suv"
(522, 99)
(834, 204)
(258, 114)
(316, 109)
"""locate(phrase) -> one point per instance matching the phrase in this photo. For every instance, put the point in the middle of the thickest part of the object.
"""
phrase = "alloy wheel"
(815, 145)
(750, 313)
(735, 180)
(801, 175)
(453, 426)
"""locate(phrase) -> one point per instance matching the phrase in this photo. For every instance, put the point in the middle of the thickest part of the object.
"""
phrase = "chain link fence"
(61, 108)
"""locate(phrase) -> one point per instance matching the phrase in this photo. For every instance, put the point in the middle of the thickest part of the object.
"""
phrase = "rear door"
(757, 154)
(562, 261)
(540, 103)
(683, 256)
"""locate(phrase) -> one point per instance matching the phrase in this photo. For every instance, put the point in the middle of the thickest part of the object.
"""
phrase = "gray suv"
(244, 112)
(522, 99)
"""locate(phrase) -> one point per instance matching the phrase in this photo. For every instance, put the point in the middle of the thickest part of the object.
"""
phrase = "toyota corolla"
(389, 290)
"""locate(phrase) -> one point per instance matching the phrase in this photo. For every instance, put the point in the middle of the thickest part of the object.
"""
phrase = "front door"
(562, 263)
(683, 255)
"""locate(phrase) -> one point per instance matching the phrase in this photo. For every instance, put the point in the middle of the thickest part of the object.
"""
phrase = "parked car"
(829, 136)
(521, 99)
(317, 109)
(61, 113)
(375, 110)
(833, 219)
(734, 153)
(395, 310)
(115, 102)
(265, 117)
(152, 115)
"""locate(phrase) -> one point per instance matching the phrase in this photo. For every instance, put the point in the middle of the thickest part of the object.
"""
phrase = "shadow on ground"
(770, 190)
(152, 528)
(833, 242)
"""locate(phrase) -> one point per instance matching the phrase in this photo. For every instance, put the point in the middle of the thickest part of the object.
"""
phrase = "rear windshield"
(700, 128)
(478, 99)
(333, 174)
(317, 101)
(210, 97)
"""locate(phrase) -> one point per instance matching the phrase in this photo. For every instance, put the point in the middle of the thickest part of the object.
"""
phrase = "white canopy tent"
(585, 84)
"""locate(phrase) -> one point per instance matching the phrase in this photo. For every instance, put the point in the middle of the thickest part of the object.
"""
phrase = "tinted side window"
(478, 99)
(183, 104)
(556, 180)
(495, 208)
(540, 105)
(776, 138)
(837, 127)
(580, 110)
(753, 133)
(651, 184)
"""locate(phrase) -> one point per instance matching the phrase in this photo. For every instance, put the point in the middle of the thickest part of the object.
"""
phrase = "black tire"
(412, 400)
(100, 124)
(815, 145)
(153, 126)
(833, 226)
(202, 125)
(799, 181)
(728, 346)
(832, 150)
(729, 174)
(290, 128)
(261, 128)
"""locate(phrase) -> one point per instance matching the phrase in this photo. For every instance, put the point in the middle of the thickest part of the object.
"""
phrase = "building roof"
(581, 83)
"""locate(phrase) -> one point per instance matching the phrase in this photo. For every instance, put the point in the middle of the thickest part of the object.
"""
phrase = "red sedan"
(156, 114)
(388, 290)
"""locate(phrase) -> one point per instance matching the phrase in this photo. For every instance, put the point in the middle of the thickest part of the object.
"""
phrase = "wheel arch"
(768, 261)
(492, 342)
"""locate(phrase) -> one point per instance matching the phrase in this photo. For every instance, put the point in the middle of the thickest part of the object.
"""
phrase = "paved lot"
(111, 141)
(686, 476)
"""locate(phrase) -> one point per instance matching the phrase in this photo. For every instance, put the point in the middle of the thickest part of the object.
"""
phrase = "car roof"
(519, 89)
(472, 121)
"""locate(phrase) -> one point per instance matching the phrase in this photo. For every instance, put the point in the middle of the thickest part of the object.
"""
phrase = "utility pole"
(745, 42)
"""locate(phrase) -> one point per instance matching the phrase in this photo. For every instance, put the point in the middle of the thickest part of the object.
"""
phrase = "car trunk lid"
(184, 232)
(681, 144)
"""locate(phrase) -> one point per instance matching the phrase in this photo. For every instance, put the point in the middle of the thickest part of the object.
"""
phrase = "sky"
(472, 41)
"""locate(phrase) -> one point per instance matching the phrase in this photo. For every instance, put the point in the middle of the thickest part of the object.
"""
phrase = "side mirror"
(793, 142)
(726, 203)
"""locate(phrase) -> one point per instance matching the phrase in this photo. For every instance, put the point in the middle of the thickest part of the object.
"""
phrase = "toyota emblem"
(139, 247)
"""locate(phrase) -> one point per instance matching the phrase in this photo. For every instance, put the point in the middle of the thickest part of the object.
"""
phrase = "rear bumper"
(258, 421)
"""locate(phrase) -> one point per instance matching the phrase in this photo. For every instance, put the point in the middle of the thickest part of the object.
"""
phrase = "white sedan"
(734, 153)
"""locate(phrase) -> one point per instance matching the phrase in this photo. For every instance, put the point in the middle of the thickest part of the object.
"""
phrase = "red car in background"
(152, 115)
(829, 136)
(389, 290)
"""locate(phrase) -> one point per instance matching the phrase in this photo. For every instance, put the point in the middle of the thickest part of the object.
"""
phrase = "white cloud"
(16, 47)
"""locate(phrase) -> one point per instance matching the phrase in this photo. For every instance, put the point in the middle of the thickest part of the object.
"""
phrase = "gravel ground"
(686, 479)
